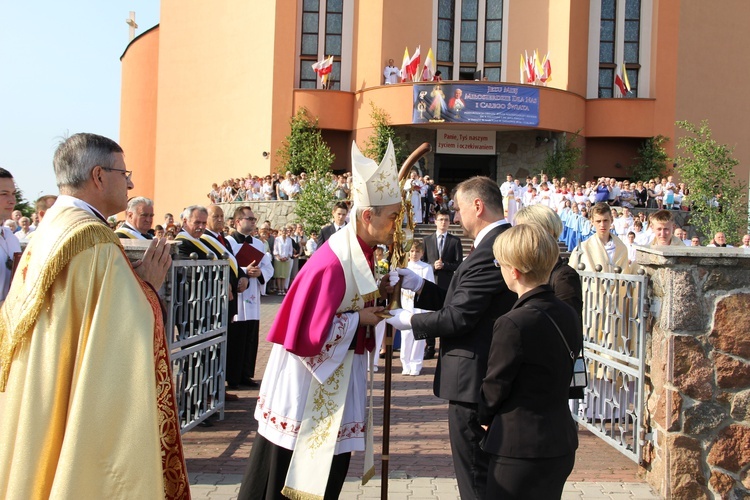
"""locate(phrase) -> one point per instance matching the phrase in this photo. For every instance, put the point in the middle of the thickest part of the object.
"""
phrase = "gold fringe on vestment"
(299, 495)
(25, 303)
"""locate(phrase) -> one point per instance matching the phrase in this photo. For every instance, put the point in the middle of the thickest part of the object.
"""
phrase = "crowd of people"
(657, 193)
(76, 303)
(427, 197)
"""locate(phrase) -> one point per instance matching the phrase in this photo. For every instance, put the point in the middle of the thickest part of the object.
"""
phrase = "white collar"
(65, 200)
(486, 230)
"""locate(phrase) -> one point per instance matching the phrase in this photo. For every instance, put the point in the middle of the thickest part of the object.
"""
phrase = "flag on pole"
(404, 66)
(623, 84)
(530, 73)
(323, 69)
(546, 74)
(537, 65)
(428, 71)
(413, 65)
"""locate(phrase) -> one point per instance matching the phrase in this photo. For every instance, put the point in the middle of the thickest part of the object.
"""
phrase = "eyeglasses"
(251, 219)
(128, 173)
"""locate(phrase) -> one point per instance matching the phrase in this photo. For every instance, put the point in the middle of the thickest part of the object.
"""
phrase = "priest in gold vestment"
(86, 396)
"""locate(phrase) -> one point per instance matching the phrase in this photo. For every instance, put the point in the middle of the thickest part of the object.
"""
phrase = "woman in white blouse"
(282, 263)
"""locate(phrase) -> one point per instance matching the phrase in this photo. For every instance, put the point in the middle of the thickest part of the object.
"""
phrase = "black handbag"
(580, 377)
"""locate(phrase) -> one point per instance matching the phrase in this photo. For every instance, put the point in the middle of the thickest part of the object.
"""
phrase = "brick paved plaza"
(421, 465)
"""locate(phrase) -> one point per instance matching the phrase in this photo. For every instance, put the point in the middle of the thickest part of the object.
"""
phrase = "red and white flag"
(546, 72)
(621, 80)
(530, 72)
(323, 67)
(413, 65)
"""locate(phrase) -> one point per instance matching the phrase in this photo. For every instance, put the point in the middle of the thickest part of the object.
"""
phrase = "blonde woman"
(531, 436)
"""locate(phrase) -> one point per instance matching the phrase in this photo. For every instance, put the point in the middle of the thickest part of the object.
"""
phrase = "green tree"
(23, 204)
(716, 196)
(564, 158)
(652, 159)
(377, 143)
(304, 150)
(313, 207)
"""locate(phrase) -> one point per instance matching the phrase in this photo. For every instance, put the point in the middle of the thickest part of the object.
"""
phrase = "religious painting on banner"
(475, 103)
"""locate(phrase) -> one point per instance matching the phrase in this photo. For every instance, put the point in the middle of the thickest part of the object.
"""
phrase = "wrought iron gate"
(614, 340)
(197, 319)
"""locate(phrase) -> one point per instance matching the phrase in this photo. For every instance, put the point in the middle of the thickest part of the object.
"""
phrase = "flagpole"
(399, 258)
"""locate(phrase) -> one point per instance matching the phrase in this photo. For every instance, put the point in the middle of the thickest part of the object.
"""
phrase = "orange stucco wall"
(204, 96)
(140, 76)
(216, 96)
(604, 154)
(712, 76)
(282, 58)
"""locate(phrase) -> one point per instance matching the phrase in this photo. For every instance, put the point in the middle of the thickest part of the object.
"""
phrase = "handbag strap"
(567, 346)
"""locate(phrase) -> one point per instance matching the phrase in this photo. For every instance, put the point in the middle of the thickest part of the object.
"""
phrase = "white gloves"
(411, 280)
(401, 319)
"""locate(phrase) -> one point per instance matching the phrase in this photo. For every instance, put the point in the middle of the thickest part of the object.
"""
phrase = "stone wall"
(698, 372)
(278, 212)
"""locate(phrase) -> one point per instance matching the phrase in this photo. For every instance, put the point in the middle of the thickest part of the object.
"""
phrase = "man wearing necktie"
(463, 317)
(444, 253)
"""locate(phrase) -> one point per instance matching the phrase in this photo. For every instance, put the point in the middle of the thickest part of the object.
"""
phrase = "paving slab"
(421, 465)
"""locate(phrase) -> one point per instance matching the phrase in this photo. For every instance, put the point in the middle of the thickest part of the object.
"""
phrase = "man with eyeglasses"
(139, 217)
(242, 338)
(109, 422)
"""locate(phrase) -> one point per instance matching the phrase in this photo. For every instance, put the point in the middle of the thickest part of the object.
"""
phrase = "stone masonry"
(698, 372)
(278, 212)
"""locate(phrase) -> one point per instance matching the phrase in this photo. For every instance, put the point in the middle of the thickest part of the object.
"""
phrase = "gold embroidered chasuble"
(87, 399)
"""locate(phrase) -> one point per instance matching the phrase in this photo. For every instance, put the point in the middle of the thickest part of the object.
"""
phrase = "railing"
(196, 327)
(614, 340)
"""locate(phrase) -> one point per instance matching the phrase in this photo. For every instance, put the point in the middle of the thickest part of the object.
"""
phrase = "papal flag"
(428, 70)
(405, 66)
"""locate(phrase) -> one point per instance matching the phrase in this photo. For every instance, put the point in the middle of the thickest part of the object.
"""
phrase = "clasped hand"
(400, 319)
(153, 267)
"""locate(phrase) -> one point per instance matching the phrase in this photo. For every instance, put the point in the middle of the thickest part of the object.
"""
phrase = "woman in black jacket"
(531, 437)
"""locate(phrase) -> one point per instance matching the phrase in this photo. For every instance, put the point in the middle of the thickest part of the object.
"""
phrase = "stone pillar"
(698, 372)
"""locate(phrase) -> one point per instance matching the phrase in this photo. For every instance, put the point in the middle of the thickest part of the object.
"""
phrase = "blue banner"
(475, 103)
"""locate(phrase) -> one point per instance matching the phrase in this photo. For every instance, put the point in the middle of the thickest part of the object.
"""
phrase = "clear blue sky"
(60, 75)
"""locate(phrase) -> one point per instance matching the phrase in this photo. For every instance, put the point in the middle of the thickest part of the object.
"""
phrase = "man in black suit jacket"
(203, 234)
(463, 318)
(444, 253)
(339, 213)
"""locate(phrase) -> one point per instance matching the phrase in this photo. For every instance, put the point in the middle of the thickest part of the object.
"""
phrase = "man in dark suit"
(463, 318)
(339, 213)
(203, 234)
(444, 253)
(139, 216)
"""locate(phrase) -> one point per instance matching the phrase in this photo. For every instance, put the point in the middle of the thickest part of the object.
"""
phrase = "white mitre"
(374, 185)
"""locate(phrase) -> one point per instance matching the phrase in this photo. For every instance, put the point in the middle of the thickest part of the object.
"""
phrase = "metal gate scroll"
(614, 340)
(197, 319)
